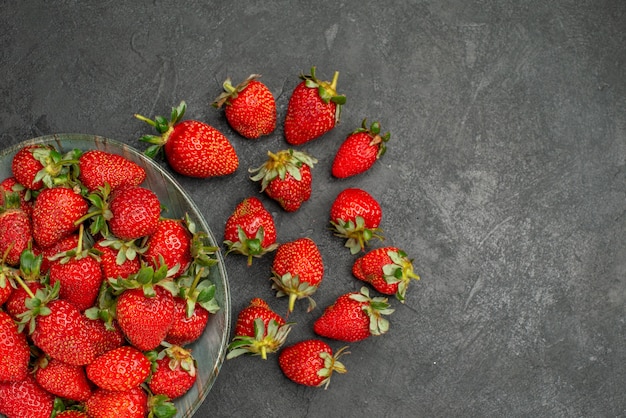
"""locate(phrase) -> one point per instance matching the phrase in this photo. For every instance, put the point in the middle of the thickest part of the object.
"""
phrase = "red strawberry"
(250, 230)
(170, 243)
(187, 326)
(355, 215)
(26, 167)
(55, 214)
(353, 317)
(117, 258)
(39, 165)
(16, 304)
(16, 235)
(6, 287)
(71, 413)
(360, 150)
(192, 148)
(104, 338)
(62, 379)
(98, 167)
(297, 270)
(132, 403)
(387, 269)
(14, 350)
(286, 178)
(10, 186)
(314, 108)
(61, 246)
(120, 369)
(250, 108)
(310, 362)
(174, 374)
(258, 331)
(135, 212)
(25, 399)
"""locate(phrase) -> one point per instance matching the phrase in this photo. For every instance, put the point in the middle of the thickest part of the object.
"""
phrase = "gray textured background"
(504, 179)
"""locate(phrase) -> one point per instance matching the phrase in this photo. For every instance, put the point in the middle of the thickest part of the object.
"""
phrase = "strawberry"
(258, 331)
(359, 151)
(310, 362)
(14, 350)
(6, 284)
(171, 242)
(25, 399)
(16, 235)
(16, 304)
(26, 167)
(72, 413)
(250, 108)
(117, 258)
(106, 373)
(39, 165)
(10, 186)
(59, 247)
(387, 269)
(297, 270)
(62, 379)
(104, 338)
(286, 177)
(174, 374)
(135, 212)
(132, 403)
(186, 327)
(354, 317)
(98, 167)
(192, 148)
(55, 213)
(355, 215)
(250, 230)
(314, 108)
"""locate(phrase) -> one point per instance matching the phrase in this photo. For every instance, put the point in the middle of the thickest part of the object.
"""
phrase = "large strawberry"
(25, 399)
(132, 403)
(106, 373)
(310, 362)
(62, 379)
(135, 212)
(192, 148)
(14, 350)
(258, 331)
(55, 214)
(298, 270)
(250, 107)
(16, 234)
(98, 167)
(359, 151)
(170, 244)
(286, 177)
(387, 269)
(250, 230)
(354, 317)
(314, 108)
(174, 372)
(355, 215)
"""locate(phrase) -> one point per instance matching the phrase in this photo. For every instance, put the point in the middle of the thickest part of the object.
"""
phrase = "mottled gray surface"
(504, 179)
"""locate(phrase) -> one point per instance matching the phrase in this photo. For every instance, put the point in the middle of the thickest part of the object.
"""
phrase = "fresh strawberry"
(26, 167)
(135, 212)
(297, 270)
(71, 413)
(16, 304)
(10, 186)
(171, 244)
(99, 167)
(62, 379)
(359, 151)
(356, 215)
(61, 246)
(187, 326)
(25, 399)
(14, 350)
(6, 284)
(174, 374)
(118, 259)
(286, 177)
(16, 235)
(258, 331)
(192, 148)
(314, 109)
(310, 362)
(250, 230)
(250, 107)
(55, 214)
(39, 165)
(132, 403)
(106, 373)
(387, 269)
(354, 317)
(104, 338)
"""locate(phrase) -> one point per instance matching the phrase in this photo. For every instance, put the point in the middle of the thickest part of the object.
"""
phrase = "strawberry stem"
(333, 83)
(19, 280)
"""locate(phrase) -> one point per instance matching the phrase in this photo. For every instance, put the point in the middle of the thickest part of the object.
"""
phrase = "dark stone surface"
(504, 179)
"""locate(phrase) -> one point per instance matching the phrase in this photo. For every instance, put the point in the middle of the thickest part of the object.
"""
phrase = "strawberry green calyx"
(263, 342)
(163, 126)
(332, 364)
(399, 271)
(98, 211)
(377, 139)
(374, 308)
(250, 247)
(160, 406)
(326, 90)
(281, 163)
(231, 92)
(58, 169)
(356, 233)
(36, 304)
(146, 278)
(290, 285)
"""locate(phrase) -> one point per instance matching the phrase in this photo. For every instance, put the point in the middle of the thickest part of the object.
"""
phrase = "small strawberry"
(298, 270)
(118, 259)
(16, 234)
(132, 403)
(314, 109)
(355, 215)
(16, 304)
(51, 252)
(14, 350)
(10, 186)
(250, 230)
(55, 213)
(387, 269)
(175, 372)
(310, 362)
(354, 317)
(258, 331)
(62, 379)
(359, 151)
(250, 107)
(135, 212)
(99, 167)
(192, 148)
(25, 399)
(286, 178)
(39, 165)
(171, 242)
(119, 369)
(26, 167)
(186, 327)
